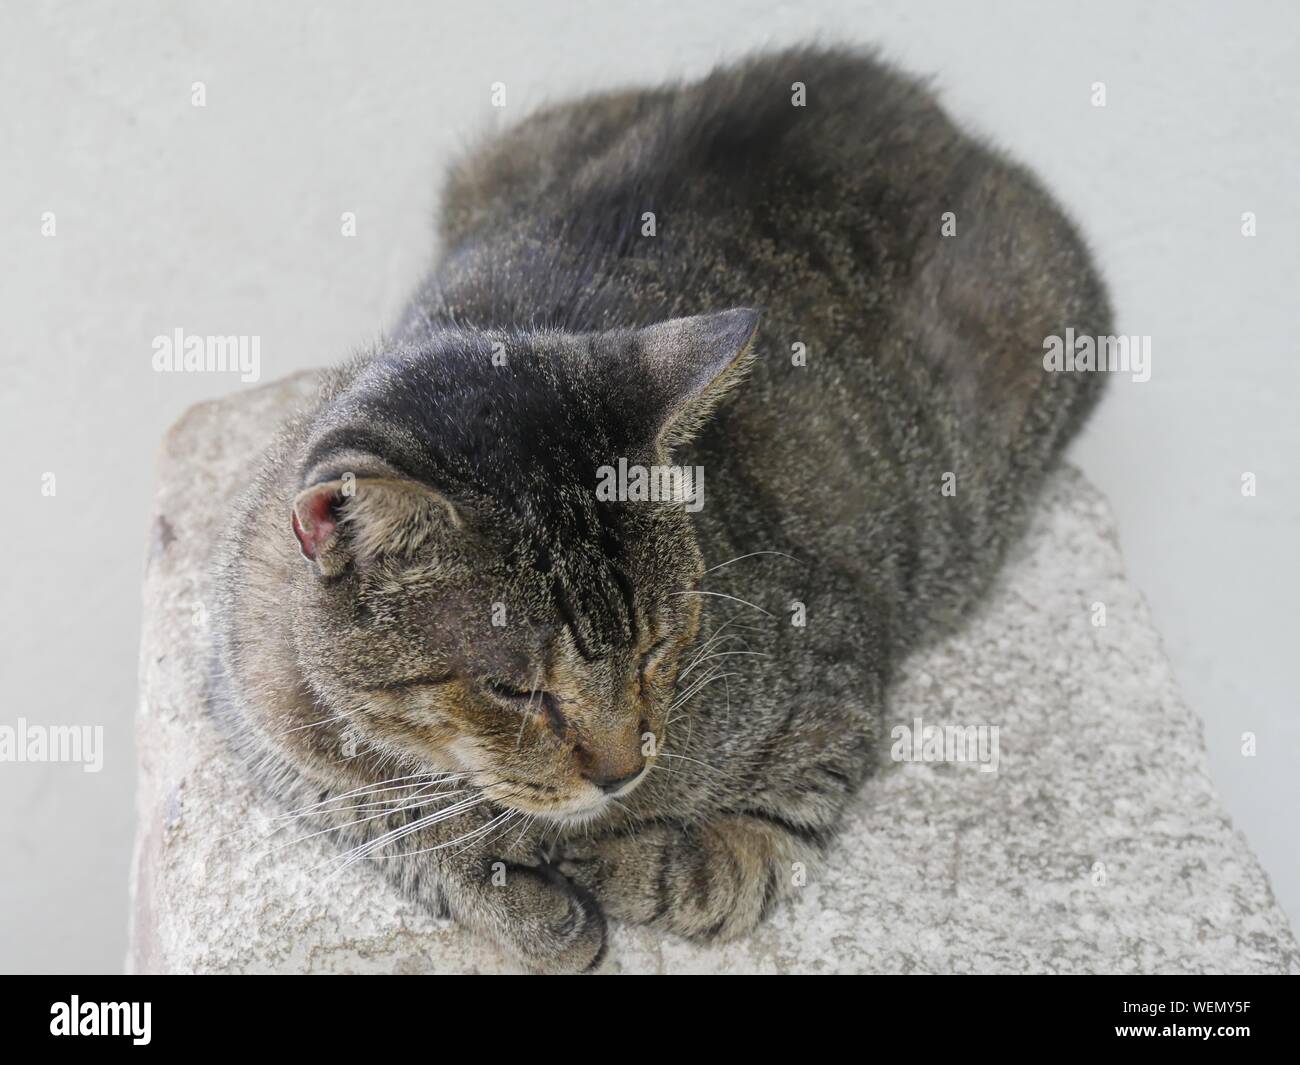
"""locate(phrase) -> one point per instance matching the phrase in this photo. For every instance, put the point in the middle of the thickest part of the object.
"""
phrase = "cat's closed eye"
(509, 693)
(650, 660)
(534, 700)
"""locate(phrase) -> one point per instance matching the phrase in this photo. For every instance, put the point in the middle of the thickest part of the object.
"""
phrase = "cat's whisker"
(752, 554)
(724, 654)
(375, 784)
(355, 854)
(512, 815)
(690, 689)
(715, 641)
(394, 784)
(310, 724)
(405, 804)
(528, 823)
(365, 793)
(696, 761)
(696, 687)
(367, 849)
(627, 810)
(523, 724)
(718, 638)
(690, 693)
(336, 806)
(462, 843)
(350, 812)
(734, 599)
(326, 807)
(466, 839)
(434, 791)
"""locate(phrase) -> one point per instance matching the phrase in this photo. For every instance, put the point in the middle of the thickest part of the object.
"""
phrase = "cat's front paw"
(555, 925)
(615, 870)
(712, 881)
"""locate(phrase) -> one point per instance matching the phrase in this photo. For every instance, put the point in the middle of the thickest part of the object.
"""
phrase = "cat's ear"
(361, 518)
(692, 364)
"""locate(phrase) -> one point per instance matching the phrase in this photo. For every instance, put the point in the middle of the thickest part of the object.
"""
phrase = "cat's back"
(783, 180)
(805, 115)
(821, 186)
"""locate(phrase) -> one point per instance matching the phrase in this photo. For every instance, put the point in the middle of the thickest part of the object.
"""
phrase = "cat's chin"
(573, 813)
(577, 812)
(575, 818)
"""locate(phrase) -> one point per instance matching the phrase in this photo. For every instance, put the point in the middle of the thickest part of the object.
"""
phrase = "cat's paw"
(580, 861)
(712, 882)
(611, 870)
(555, 925)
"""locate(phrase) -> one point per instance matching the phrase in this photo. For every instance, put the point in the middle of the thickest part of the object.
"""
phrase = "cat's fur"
(374, 662)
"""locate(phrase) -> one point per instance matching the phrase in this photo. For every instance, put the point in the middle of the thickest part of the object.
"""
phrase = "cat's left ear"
(692, 363)
(349, 519)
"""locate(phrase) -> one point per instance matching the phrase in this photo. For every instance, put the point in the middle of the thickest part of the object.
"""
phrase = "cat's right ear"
(692, 363)
(361, 518)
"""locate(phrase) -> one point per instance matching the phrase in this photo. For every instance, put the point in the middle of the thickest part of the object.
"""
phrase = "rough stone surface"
(1098, 846)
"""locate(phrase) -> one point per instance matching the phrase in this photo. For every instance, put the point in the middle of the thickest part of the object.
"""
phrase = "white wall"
(225, 220)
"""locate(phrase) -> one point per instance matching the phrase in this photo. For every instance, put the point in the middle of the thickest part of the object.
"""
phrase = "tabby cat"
(539, 707)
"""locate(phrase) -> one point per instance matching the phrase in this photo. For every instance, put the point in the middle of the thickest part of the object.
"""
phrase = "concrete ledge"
(1099, 845)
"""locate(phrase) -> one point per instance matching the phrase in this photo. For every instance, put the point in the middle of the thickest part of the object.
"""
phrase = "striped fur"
(467, 619)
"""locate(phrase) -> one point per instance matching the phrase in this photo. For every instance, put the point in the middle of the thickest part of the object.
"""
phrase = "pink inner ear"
(313, 519)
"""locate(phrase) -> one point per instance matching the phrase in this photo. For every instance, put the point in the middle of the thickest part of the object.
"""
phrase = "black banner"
(214, 1013)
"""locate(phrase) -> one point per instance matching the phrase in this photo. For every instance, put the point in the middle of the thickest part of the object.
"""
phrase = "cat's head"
(468, 599)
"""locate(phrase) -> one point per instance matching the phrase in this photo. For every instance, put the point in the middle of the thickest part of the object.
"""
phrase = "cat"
(536, 708)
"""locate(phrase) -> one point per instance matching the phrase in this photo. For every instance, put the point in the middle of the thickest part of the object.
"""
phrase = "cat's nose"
(613, 785)
(611, 770)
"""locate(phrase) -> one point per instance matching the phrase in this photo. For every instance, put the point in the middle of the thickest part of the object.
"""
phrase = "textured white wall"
(225, 220)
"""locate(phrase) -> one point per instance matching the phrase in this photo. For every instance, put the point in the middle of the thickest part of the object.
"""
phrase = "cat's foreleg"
(712, 881)
(496, 886)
